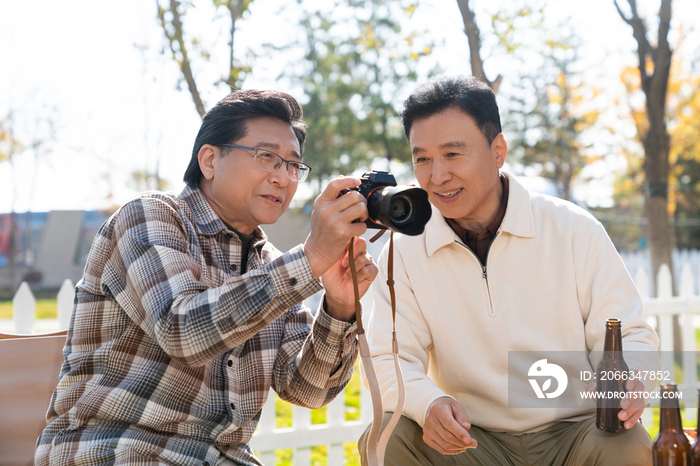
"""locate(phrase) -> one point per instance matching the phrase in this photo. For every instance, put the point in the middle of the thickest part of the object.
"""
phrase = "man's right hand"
(446, 427)
(332, 224)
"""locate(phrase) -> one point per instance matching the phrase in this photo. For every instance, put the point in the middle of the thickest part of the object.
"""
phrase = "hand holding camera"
(404, 209)
(332, 224)
(345, 209)
(332, 227)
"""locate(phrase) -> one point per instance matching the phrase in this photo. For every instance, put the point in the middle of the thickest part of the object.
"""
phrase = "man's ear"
(208, 157)
(500, 148)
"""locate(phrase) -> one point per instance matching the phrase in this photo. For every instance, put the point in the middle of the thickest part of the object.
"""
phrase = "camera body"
(373, 180)
(404, 209)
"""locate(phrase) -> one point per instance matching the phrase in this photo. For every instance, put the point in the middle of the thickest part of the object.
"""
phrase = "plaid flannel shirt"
(171, 352)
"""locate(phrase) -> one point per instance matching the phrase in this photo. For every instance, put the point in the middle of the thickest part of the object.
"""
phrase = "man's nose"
(440, 172)
(279, 176)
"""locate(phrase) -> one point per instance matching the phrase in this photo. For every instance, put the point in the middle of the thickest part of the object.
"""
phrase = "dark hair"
(469, 94)
(226, 122)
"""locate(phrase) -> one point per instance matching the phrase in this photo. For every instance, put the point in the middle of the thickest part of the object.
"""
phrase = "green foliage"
(552, 113)
(355, 67)
(506, 24)
(188, 51)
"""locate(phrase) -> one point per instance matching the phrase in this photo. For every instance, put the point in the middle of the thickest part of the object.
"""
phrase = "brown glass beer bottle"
(611, 378)
(695, 452)
(671, 447)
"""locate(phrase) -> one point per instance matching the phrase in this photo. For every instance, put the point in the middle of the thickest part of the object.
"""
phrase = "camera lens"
(401, 209)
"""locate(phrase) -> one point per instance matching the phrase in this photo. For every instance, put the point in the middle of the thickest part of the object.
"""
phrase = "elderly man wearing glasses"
(186, 315)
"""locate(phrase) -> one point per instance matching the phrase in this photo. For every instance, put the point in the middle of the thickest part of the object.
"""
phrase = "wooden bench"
(29, 369)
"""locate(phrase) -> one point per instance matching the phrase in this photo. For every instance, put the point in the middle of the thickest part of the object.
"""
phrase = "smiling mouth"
(449, 194)
(274, 199)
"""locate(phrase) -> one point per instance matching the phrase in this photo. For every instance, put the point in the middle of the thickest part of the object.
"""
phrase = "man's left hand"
(632, 408)
(340, 296)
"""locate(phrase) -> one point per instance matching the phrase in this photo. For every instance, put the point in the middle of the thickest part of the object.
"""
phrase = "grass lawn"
(45, 309)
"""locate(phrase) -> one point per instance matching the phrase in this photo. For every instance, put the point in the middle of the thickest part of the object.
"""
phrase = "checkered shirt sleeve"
(171, 352)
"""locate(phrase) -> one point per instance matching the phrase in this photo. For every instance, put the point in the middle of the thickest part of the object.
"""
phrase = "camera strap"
(376, 445)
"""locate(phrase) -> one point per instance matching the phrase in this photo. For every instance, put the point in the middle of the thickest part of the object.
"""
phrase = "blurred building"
(53, 246)
(49, 247)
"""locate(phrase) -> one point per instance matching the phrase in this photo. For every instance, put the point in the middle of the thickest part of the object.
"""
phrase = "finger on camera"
(344, 224)
(349, 199)
(357, 229)
(338, 218)
(343, 233)
(355, 213)
(337, 205)
(350, 203)
(334, 187)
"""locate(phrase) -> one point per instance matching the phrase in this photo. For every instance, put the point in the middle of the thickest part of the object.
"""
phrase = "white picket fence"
(24, 309)
(303, 435)
(659, 312)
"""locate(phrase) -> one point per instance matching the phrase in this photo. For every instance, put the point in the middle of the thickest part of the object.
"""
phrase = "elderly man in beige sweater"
(499, 272)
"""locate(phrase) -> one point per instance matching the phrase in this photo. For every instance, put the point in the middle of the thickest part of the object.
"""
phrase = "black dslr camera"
(404, 209)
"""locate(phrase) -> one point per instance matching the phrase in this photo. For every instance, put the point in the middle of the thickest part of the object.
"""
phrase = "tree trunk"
(656, 199)
(654, 69)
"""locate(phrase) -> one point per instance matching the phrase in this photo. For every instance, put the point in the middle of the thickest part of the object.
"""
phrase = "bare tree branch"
(622, 15)
(235, 9)
(473, 37)
(644, 48)
(177, 37)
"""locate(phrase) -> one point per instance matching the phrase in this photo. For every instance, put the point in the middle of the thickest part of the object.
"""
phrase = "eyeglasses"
(269, 161)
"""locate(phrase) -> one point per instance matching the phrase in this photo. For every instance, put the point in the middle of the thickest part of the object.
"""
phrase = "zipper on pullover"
(492, 311)
(484, 273)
